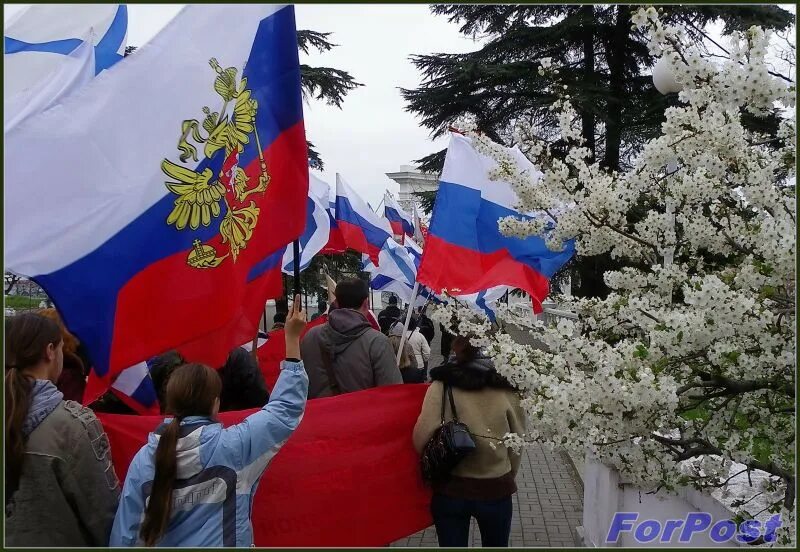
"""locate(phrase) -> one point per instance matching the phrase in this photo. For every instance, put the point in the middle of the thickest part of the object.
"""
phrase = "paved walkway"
(547, 507)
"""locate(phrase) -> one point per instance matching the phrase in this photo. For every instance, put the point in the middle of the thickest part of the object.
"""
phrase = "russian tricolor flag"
(335, 243)
(172, 186)
(401, 222)
(362, 229)
(135, 388)
(464, 249)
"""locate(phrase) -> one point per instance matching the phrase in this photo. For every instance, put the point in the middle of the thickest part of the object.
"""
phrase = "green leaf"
(765, 269)
(762, 449)
(731, 357)
(641, 351)
(741, 422)
(659, 365)
(698, 413)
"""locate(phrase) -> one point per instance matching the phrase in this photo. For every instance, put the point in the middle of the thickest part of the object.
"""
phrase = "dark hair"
(393, 299)
(27, 337)
(321, 306)
(412, 324)
(351, 293)
(279, 318)
(192, 390)
(463, 349)
(161, 368)
(243, 384)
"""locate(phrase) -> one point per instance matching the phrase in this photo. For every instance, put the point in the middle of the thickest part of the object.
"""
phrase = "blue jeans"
(452, 516)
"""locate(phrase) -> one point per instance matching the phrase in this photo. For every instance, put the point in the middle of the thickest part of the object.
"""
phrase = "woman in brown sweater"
(482, 484)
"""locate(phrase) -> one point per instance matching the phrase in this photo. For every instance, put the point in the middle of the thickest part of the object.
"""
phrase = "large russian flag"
(362, 229)
(464, 249)
(172, 184)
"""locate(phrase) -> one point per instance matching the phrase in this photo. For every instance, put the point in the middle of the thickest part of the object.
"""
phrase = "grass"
(22, 302)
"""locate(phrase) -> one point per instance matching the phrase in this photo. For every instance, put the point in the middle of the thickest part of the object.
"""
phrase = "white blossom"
(693, 349)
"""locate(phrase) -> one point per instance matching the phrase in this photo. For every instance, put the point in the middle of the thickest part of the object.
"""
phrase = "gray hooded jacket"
(362, 357)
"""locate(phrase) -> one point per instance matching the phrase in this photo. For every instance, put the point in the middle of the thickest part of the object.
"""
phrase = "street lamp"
(665, 82)
(664, 78)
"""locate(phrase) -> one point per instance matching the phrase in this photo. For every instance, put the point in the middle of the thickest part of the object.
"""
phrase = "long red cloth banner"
(349, 476)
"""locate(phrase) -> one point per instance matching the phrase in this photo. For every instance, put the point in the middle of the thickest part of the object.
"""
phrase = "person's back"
(358, 356)
(61, 488)
(411, 372)
(388, 316)
(419, 345)
(192, 484)
(426, 327)
(482, 484)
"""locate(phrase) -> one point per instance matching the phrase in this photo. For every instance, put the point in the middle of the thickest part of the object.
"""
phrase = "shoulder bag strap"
(327, 363)
(452, 403)
(444, 401)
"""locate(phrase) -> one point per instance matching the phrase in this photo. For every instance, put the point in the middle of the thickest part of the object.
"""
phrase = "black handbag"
(450, 443)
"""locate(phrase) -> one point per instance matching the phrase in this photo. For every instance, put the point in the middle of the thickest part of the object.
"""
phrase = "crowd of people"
(58, 465)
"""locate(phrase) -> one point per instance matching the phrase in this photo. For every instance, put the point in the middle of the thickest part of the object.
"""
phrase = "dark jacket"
(446, 342)
(361, 357)
(425, 326)
(109, 403)
(389, 316)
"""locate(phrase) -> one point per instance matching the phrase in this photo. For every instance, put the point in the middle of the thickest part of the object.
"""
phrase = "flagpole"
(408, 320)
(369, 287)
(296, 255)
(253, 348)
(378, 208)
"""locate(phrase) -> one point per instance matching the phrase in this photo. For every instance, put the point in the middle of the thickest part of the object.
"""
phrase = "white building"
(413, 181)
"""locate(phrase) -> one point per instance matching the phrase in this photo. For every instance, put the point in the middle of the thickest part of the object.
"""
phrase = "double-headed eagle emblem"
(200, 192)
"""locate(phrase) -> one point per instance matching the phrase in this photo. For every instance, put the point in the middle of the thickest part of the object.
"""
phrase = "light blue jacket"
(218, 471)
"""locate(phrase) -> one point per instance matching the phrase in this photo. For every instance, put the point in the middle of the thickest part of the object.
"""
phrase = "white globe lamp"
(664, 79)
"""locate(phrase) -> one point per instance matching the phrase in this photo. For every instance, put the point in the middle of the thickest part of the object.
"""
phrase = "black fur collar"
(471, 376)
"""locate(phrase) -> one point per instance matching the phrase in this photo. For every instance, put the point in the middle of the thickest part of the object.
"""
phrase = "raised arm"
(259, 437)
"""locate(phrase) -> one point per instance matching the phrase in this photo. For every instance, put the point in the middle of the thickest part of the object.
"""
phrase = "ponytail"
(18, 400)
(27, 337)
(159, 508)
(192, 389)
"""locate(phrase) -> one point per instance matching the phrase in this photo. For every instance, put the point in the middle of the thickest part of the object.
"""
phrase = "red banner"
(349, 476)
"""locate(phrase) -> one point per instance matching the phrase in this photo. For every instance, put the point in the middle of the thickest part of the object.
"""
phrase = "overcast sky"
(372, 134)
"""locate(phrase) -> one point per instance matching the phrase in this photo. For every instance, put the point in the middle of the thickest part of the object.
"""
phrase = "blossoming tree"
(684, 374)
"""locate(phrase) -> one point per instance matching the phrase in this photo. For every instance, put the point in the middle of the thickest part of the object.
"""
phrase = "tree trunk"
(616, 69)
(587, 117)
(11, 281)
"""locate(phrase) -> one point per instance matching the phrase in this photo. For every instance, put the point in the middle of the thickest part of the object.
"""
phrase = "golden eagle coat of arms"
(200, 194)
